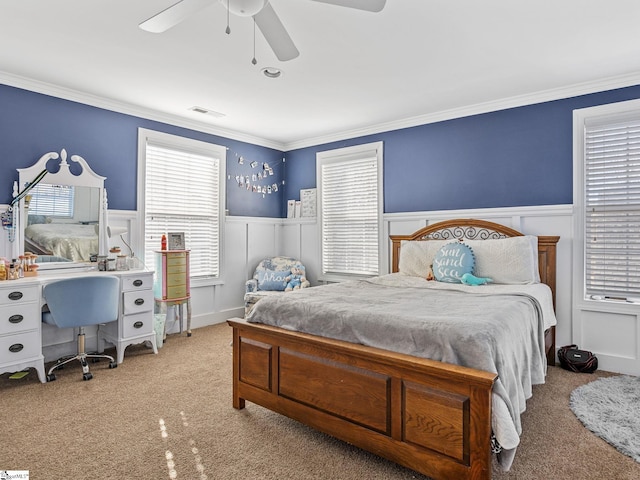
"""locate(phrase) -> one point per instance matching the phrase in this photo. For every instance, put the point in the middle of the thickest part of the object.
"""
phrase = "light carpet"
(610, 408)
(169, 417)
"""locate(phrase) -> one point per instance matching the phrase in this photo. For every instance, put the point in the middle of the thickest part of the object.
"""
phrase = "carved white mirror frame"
(64, 176)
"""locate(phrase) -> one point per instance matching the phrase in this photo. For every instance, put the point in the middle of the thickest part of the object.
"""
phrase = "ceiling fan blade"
(173, 15)
(276, 35)
(368, 5)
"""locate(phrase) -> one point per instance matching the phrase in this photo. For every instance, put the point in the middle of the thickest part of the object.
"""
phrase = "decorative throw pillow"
(272, 280)
(452, 261)
(416, 257)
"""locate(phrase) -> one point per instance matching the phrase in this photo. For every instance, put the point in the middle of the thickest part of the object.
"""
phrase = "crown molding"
(175, 120)
(486, 107)
(64, 93)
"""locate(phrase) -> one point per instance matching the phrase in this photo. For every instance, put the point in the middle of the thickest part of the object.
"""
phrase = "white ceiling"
(356, 70)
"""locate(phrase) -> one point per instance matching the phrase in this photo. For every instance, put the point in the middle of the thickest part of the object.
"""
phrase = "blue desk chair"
(78, 302)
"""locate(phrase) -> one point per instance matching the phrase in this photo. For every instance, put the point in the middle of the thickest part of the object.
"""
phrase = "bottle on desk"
(163, 242)
(12, 272)
(20, 266)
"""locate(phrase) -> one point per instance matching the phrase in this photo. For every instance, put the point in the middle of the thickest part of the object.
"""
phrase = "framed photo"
(175, 240)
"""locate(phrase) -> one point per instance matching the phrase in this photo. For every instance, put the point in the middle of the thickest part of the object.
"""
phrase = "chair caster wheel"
(113, 365)
(188, 334)
(51, 377)
(87, 376)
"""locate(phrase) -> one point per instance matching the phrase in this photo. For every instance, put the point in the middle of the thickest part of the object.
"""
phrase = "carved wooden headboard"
(471, 229)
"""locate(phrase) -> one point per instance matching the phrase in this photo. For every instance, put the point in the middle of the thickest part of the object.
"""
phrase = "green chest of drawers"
(172, 275)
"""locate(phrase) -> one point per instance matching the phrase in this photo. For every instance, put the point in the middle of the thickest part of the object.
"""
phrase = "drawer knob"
(138, 324)
(16, 347)
(139, 301)
(15, 318)
(15, 295)
(137, 283)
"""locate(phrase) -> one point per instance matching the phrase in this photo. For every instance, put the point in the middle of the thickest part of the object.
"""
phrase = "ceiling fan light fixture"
(244, 8)
(271, 72)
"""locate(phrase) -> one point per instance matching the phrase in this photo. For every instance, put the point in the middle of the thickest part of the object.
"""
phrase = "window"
(608, 192)
(52, 200)
(350, 210)
(181, 180)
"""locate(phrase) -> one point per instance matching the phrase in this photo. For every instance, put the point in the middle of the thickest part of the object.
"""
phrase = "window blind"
(350, 209)
(612, 209)
(182, 194)
(52, 200)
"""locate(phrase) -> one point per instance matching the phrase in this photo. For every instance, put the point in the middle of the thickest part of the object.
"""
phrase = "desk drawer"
(12, 296)
(135, 325)
(137, 282)
(137, 301)
(18, 347)
(16, 318)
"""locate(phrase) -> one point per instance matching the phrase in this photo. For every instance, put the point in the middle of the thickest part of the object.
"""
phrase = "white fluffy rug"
(610, 408)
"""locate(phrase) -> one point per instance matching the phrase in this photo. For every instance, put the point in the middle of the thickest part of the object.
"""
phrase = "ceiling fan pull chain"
(254, 61)
(228, 30)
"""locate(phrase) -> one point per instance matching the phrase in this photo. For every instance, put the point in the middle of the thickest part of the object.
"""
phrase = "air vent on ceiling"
(206, 111)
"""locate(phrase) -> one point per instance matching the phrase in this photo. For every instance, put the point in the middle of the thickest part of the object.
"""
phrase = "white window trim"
(350, 152)
(145, 135)
(580, 118)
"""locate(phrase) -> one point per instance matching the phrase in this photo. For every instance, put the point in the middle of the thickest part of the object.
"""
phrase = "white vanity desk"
(21, 330)
(21, 317)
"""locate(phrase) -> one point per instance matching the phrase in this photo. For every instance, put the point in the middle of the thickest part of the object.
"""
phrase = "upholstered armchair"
(274, 276)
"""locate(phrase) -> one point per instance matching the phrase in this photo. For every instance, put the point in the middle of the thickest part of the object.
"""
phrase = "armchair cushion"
(272, 266)
(269, 278)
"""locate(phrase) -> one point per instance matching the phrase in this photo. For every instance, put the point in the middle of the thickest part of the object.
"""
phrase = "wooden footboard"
(431, 417)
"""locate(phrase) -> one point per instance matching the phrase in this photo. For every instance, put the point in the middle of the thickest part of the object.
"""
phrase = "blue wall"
(33, 124)
(515, 157)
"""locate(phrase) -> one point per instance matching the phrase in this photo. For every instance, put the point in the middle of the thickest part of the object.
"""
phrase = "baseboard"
(205, 320)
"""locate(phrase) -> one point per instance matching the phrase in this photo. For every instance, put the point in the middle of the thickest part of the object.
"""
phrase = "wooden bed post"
(238, 403)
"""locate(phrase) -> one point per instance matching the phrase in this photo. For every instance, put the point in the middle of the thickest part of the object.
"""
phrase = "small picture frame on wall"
(175, 240)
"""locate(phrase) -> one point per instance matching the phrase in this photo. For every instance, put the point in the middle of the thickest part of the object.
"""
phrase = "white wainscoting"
(544, 220)
(610, 331)
(300, 237)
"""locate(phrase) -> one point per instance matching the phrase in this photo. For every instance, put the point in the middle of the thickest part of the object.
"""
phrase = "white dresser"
(21, 323)
(20, 326)
(135, 321)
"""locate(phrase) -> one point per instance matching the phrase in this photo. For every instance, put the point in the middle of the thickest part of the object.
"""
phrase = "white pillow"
(416, 256)
(511, 260)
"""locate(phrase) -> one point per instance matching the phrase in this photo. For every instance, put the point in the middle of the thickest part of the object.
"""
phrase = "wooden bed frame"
(429, 416)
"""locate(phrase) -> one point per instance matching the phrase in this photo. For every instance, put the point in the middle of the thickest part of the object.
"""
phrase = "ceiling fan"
(264, 15)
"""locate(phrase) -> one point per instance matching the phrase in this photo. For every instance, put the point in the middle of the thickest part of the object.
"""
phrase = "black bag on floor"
(571, 358)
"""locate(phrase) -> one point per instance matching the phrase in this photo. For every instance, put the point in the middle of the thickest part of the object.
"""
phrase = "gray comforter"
(496, 328)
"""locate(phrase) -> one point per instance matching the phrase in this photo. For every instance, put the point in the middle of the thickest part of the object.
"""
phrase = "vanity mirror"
(63, 217)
